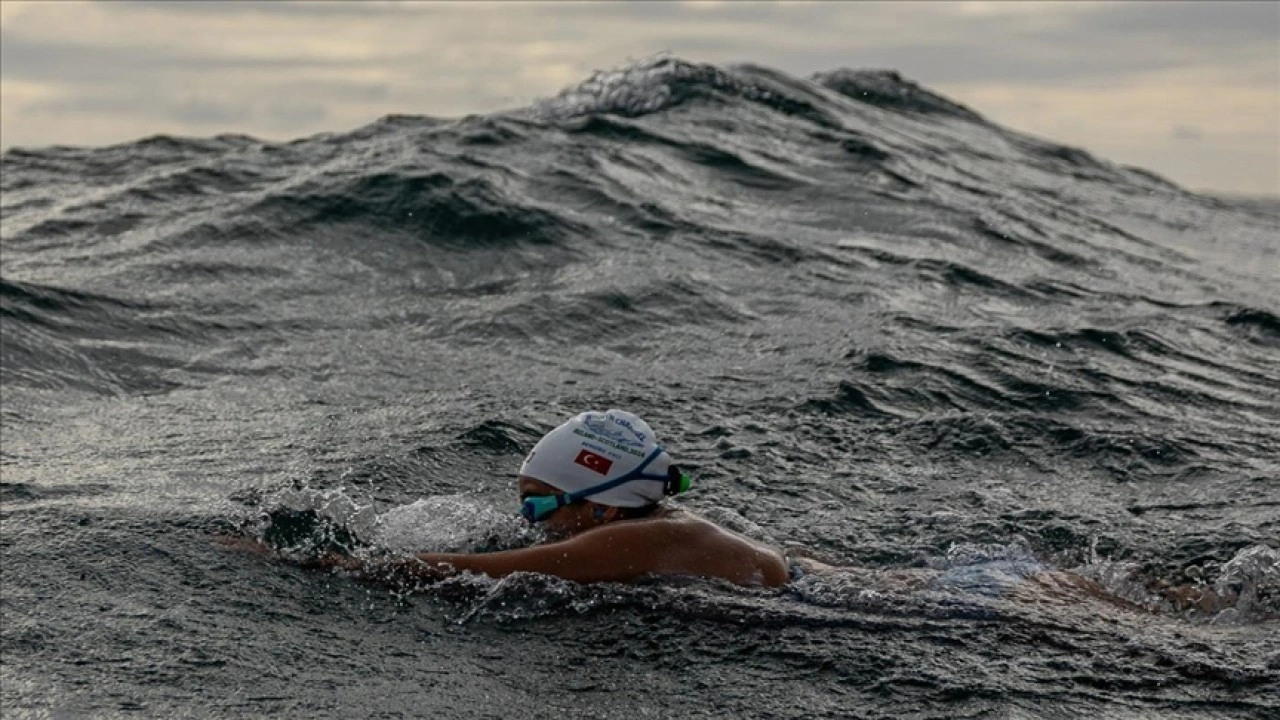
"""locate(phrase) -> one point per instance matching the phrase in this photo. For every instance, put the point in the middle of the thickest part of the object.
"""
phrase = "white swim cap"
(595, 448)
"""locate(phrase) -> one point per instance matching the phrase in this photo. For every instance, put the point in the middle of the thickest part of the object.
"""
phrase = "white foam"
(638, 88)
(1246, 590)
(1252, 578)
(451, 523)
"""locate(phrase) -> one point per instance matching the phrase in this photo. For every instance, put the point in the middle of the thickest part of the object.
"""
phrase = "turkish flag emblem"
(594, 462)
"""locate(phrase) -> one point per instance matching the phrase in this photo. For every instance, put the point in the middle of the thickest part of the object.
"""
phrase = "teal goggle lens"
(536, 508)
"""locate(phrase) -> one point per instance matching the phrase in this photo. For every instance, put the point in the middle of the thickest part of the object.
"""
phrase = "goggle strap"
(637, 473)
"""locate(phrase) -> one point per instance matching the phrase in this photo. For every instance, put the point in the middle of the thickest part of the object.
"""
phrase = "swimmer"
(596, 483)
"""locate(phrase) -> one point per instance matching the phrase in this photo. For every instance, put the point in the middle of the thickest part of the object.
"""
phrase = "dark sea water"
(874, 325)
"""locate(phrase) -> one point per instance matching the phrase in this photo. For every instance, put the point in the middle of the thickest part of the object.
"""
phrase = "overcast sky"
(1190, 90)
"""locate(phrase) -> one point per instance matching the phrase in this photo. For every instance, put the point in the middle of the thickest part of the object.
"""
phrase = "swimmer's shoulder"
(690, 526)
(768, 564)
(666, 521)
(693, 545)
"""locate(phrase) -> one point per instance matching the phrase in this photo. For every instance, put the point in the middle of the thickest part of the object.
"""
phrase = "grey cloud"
(1187, 132)
(194, 111)
(126, 81)
(420, 10)
(977, 63)
(292, 115)
(90, 103)
(546, 17)
(335, 91)
(938, 64)
(1110, 40)
(280, 114)
(521, 47)
(25, 59)
(209, 112)
(260, 7)
(1189, 21)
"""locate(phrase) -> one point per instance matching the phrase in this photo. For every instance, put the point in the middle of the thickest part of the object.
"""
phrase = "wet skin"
(594, 543)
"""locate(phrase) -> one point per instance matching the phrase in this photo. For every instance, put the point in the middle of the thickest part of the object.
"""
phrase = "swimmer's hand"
(413, 569)
(404, 573)
(396, 571)
(254, 546)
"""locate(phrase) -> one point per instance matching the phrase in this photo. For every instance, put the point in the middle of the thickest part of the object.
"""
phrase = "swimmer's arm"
(625, 552)
(412, 570)
(609, 554)
(615, 553)
(396, 571)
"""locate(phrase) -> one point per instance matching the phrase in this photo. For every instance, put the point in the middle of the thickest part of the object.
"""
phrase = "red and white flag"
(594, 462)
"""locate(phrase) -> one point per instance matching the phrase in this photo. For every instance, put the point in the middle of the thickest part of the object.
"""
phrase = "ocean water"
(1028, 398)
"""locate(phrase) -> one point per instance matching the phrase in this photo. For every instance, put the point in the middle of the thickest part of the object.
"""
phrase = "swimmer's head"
(608, 459)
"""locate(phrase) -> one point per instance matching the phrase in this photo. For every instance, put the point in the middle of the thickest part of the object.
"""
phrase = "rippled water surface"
(1028, 398)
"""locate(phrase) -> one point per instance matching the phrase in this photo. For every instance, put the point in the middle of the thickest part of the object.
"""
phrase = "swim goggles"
(536, 508)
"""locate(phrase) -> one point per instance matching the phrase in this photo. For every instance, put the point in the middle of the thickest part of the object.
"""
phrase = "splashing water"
(1252, 578)
(1246, 589)
(636, 89)
(307, 519)
(452, 523)
(992, 570)
(966, 554)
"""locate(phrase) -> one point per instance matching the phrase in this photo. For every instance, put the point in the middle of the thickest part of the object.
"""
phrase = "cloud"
(294, 9)
(1123, 121)
(110, 71)
(1187, 132)
(288, 115)
(197, 111)
(1192, 23)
